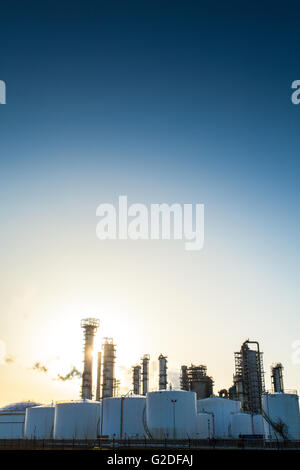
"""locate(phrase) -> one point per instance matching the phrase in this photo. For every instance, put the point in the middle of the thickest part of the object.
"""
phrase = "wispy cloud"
(9, 359)
(73, 374)
(5, 359)
(40, 367)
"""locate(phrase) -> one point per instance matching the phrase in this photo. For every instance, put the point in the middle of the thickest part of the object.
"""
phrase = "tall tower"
(249, 377)
(162, 372)
(277, 378)
(109, 355)
(136, 379)
(184, 378)
(145, 373)
(98, 388)
(89, 326)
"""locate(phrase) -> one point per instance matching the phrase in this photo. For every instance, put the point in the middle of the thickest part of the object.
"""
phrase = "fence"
(109, 444)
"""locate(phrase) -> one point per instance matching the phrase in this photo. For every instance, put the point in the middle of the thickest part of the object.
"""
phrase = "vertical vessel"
(89, 326)
(109, 355)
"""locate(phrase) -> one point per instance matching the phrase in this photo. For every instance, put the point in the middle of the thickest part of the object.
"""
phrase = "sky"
(163, 102)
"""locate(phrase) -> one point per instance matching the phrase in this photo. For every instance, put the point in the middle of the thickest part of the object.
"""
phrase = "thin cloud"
(73, 374)
(40, 367)
(9, 360)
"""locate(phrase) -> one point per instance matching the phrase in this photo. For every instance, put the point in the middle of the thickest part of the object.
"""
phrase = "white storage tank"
(123, 417)
(77, 420)
(39, 422)
(258, 425)
(281, 413)
(240, 424)
(12, 419)
(171, 414)
(204, 426)
(221, 410)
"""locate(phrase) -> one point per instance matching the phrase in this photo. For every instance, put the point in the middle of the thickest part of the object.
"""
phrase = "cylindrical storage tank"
(12, 418)
(171, 414)
(39, 422)
(240, 425)
(221, 410)
(77, 420)
(12, 425)
(204, 426)
(281, 413)
(123, 417)
(258, 425)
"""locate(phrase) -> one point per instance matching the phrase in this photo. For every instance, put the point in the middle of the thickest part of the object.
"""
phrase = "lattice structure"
(184, 378)
(162, 385)
(89, 326)
(195, 379)
(145, 373)
(109, 356)
(277, 378)
(249, 377)
(98, 388)
(136, 379)
(116, 390)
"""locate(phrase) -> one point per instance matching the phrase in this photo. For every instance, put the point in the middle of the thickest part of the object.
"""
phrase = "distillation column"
(109, 355)
(184, 378)
(162, 372)
(89, 326)
(145, 373)
(277, 378)
(136, 379)
(249, 377)
(98, 388)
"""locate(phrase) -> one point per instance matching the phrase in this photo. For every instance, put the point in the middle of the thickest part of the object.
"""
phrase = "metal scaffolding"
(116, 389)
(145, 373)
(200, 382)
(277, 378)
(109, 355)
(162, 385)
(195, 379)
(184, 378)
(89, 326)
(136, 379)
(249, 377)
(98, 388)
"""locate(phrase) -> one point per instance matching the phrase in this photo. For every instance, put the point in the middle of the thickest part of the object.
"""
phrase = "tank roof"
(21, 406)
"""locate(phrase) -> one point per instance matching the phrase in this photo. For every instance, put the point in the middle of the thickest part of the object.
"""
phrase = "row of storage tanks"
(162, 414)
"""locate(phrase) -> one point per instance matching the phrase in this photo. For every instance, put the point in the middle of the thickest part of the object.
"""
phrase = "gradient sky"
(164, 102)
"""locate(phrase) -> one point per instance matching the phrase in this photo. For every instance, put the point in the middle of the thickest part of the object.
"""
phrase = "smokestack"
(98, 389)
(136, 379)
(162, 372)
(145, 373)
(89, 326)
(109, 356)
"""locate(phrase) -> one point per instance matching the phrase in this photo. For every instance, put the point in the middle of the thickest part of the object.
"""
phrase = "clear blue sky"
(165, 102)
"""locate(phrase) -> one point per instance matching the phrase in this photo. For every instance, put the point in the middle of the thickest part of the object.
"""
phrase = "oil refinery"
(193, 412)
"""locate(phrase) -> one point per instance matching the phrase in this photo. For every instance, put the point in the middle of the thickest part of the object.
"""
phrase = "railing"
(289, 392)
(103, 443)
